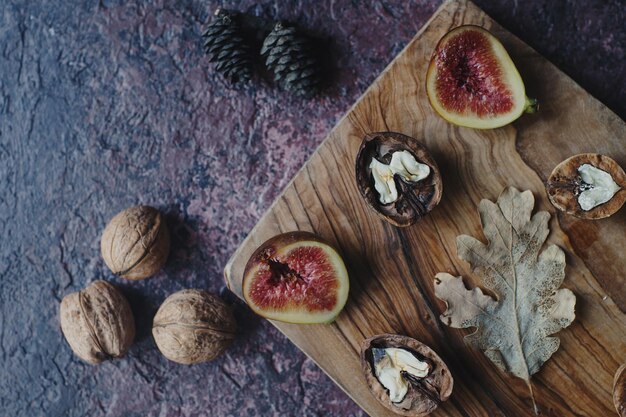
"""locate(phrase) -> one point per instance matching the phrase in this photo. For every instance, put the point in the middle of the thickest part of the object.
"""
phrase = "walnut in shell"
(619, 391)
(405, 375)
(397, 177)
(589, 186)
(193, 326)
(97, 322)
(135, 243)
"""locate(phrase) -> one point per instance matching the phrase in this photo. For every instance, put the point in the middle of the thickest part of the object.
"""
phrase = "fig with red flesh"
(472, 82)
(296, 277)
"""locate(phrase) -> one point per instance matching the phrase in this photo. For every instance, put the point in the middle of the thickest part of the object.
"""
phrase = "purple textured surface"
(108, 104)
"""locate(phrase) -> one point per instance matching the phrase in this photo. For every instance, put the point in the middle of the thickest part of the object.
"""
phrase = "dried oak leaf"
(514, 329)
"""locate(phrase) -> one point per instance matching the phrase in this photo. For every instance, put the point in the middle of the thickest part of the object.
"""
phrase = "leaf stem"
(532, 396)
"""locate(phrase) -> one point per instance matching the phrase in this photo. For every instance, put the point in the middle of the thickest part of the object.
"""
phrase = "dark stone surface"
(108, 104)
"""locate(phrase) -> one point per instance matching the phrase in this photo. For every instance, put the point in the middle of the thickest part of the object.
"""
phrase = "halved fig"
(589, 186)
(472, 82)
(296, 277)
(397, 177)
(405, 375)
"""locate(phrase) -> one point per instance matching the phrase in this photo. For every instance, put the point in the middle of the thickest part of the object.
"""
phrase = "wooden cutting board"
(392, 269)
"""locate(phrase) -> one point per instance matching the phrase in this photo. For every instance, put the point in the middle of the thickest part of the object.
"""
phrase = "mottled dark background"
(108, 104)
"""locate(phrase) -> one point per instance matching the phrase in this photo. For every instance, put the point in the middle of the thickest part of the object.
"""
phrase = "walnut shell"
(193, 326)
(415, 200)
(619, 391)
(135, 243)
(563, 186)
(420, 400)
(97, 322)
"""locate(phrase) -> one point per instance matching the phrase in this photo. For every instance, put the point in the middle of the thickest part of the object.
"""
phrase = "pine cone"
(289, 55)
(226, 46)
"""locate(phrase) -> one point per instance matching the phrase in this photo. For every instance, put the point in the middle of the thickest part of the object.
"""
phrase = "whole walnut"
(97, 322)
(193, 326)
(135, 243)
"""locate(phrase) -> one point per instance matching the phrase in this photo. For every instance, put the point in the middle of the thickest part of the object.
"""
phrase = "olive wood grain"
(392, 269)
